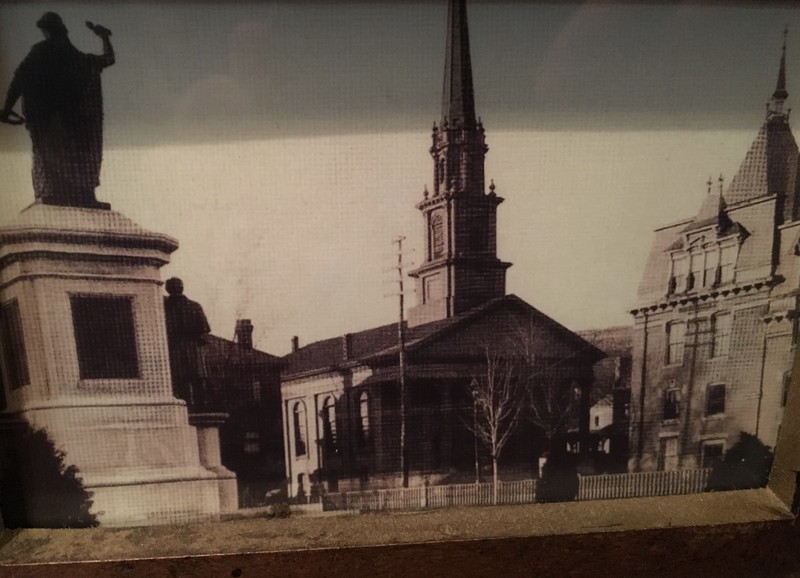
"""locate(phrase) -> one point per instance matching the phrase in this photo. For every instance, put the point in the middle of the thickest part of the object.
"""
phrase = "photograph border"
(674, 535)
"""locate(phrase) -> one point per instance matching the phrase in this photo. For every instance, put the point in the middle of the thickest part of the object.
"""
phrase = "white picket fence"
(642, 484)
(600, 487)
(517, 492)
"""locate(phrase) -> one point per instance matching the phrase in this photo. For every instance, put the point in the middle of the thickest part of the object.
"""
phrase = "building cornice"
(673, 301)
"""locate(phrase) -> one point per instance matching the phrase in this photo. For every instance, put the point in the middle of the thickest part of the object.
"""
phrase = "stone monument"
(82, 326)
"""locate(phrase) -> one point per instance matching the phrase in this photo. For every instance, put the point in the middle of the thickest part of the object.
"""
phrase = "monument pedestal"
(208, 425)
(85, 360)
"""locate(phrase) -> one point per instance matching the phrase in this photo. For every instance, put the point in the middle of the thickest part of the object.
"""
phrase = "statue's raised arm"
(62, 108)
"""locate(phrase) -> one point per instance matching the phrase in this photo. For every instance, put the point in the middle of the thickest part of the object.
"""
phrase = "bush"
(280, 510)
(39, 490)
(559, 481)
(746, 465)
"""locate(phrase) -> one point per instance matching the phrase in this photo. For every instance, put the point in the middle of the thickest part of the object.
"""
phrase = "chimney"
(347, 346)
(295, 343)
(243, 334)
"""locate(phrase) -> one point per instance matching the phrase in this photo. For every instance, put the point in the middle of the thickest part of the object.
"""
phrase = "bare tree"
(498, 395)
(552, 401)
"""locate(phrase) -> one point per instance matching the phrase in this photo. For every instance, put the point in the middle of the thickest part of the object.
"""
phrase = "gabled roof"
(382, 342)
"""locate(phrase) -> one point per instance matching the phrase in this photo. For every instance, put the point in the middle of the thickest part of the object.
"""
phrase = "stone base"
(140, 461)
(146, 504)
(124, 434)
(208, 425)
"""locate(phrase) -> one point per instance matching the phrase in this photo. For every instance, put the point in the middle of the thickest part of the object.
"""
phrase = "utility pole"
(401, 355)
(473, 387)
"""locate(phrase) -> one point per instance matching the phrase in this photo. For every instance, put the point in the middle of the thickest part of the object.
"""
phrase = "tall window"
(676, 338)
(710, 270)
(12, 344)
(668, 454)
(696, 270)
(672, 403)
(680, 270)
(105, 337)
(727, 264)
(363, 417)
(437, 236)
(299, 422)
(329, 423)
(715, 399)
(721, 326)
(710, 452)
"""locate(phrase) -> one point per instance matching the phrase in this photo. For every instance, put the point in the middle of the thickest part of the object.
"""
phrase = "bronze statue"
(62, 108)
(187, 328)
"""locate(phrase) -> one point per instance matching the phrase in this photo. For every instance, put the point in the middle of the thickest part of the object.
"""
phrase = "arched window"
(299, 421)
(363, 416)
(329, 423)
(436, 236)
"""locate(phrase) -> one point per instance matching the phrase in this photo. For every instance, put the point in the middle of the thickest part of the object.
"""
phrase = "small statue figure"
(187, 328)
(62, 108)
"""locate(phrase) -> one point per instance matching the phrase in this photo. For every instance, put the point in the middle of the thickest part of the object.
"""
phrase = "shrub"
(745, 465)
(279, 510)
(559, 481)
(38, 489)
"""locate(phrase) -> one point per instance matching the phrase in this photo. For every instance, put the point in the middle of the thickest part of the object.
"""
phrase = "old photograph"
(316, 259)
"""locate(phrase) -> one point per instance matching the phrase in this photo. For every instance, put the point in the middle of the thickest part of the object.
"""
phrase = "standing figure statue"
(187, 328)
(62, 108)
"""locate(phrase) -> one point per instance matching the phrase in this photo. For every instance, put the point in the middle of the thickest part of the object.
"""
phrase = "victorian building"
(363, 411)
(715, 325)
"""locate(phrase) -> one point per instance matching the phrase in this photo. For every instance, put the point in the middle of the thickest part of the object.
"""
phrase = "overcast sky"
(285, 145)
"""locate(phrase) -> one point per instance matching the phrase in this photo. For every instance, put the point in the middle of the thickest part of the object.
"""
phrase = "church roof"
(380, 342)
(458, 97)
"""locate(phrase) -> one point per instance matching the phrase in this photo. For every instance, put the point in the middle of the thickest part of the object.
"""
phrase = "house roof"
(381, 342)
(218, 349)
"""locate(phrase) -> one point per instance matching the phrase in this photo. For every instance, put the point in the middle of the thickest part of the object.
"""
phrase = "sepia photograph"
(322, 259)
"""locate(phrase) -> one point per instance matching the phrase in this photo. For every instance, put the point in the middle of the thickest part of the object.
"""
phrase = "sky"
(285, 144)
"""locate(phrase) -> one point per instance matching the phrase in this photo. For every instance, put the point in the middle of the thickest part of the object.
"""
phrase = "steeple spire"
(461, 269)
(458, 97)
(780, 95)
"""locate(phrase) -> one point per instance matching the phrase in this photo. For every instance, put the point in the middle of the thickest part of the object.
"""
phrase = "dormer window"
(680, 272)
(701, 267)
(727, 264)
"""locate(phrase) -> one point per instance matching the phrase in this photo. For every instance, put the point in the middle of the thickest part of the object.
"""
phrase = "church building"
(716, 325)
(352, 403)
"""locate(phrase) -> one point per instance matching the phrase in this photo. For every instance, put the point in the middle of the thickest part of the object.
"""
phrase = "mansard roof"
(372, 345)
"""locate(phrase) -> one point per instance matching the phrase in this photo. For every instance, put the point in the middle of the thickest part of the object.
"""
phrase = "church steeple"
(459, 147)
(458, 97)
(461, 269)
